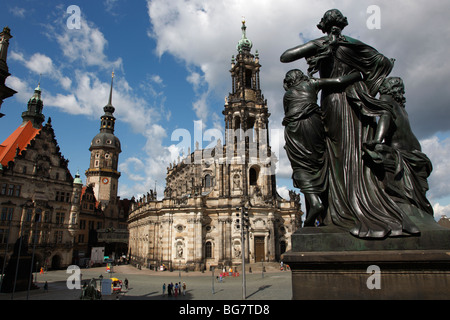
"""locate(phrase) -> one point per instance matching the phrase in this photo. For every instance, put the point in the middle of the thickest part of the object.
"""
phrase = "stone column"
(221, 238)
(198, 242)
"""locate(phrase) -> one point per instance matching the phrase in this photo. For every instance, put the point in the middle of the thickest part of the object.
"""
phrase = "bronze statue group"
(353, 154)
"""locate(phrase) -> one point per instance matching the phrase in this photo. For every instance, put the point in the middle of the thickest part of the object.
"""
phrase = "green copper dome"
(77, 179)
(244, 44)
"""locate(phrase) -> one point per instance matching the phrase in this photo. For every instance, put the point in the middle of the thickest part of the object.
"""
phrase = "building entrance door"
(259, 249)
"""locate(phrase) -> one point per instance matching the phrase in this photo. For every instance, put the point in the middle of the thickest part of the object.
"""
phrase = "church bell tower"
(105, 148)
(247, 120)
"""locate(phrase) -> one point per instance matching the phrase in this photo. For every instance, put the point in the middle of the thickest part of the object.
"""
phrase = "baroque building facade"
(55, 215)
(195, 225)
(37, 192)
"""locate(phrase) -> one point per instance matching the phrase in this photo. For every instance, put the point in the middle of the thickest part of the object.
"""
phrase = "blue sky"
(172, 59)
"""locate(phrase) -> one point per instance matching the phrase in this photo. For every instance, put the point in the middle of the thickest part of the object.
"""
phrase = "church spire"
(109, 107)
(108, 120)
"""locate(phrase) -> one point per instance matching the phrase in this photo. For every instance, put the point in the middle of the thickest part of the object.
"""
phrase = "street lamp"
(243, 224)
(212, 281)
(37, 218)
(9, 217)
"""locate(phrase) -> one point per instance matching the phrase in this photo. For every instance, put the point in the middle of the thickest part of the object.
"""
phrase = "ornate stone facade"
(195, 225)
(37, 192)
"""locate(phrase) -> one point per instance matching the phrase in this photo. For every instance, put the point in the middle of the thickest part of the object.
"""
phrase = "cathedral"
(196, 225)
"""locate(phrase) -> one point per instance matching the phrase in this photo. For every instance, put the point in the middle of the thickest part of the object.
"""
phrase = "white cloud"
(41, 64)
(131, 165)
(156, 79)
(440, 211)
(439, 152)
(283, 191)
(18, 12)
(110, 5)
(85, 46)
(24, 91)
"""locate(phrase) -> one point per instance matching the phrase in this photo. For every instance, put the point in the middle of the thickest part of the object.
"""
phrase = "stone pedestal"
(328, 263)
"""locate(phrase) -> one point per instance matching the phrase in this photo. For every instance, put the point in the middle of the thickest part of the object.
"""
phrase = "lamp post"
(37, 218)
(212, 279)
(6, 250)
(17, 264)
(242, 226)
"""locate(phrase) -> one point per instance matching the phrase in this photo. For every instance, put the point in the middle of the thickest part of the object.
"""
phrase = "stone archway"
(56, 262)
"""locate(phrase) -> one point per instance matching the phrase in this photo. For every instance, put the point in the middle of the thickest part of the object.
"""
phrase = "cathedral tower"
(247, 119)
(105, 149)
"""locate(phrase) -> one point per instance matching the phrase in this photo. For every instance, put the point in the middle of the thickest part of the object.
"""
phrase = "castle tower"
(105, 149)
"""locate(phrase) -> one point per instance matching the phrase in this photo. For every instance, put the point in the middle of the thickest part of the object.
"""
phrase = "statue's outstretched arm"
(340, 82)
(302, 51)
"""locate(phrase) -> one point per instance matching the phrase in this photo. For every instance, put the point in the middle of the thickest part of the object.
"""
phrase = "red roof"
(20, 138)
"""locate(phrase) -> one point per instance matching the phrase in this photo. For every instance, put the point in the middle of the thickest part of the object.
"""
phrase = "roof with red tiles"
(20, 138)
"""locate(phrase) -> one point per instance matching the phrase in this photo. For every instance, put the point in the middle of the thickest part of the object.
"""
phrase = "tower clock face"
(105, 180)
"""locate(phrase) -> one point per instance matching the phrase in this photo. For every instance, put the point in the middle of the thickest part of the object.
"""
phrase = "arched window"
(208, 250)
(253, 176)
(248, 79)
(282, 247)
(208, 181)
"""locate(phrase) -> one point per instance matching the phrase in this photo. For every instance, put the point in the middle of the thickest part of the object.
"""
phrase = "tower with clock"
(105, 148)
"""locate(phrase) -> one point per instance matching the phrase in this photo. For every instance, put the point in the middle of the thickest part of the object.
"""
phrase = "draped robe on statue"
(305, 139)
(357, 199)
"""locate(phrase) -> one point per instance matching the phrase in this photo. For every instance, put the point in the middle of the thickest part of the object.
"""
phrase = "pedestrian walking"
(46, 286)
(126, 283)
(164, 288)
(184, 288)
(176, 289)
